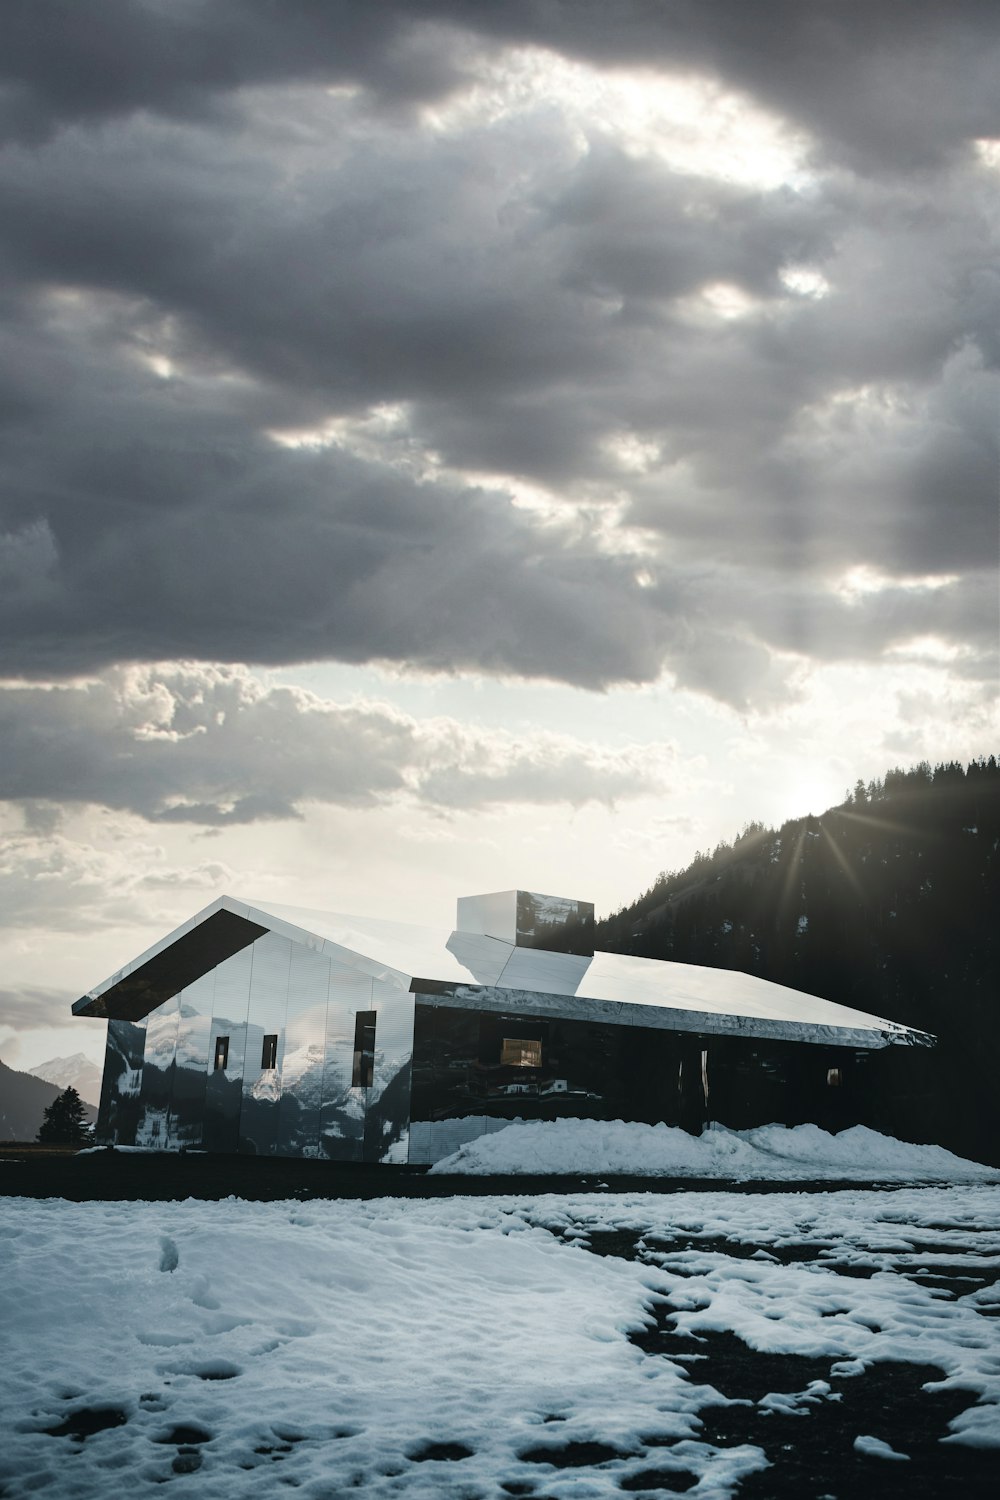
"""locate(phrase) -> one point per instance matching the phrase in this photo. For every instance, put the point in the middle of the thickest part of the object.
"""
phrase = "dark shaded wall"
(462, 1088)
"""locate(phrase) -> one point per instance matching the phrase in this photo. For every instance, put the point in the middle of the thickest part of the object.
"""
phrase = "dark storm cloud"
(181, 534)
(63, 62)
(883, 84)
(183, 191)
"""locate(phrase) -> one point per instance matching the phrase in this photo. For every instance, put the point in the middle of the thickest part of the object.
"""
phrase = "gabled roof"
(467, 968)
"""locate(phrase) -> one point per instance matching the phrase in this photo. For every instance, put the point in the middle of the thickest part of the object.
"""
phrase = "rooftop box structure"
(281, 1031)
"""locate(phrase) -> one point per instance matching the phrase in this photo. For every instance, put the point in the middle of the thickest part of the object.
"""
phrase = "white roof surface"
(608, 986)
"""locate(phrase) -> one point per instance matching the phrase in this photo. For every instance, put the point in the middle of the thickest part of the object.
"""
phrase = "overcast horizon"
(457, 446)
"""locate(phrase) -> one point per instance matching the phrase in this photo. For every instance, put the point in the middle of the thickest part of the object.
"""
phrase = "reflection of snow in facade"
(291, 1033)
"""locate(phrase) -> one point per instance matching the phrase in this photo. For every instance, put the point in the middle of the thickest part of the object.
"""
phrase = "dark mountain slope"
(23, 1101)
(890, 903)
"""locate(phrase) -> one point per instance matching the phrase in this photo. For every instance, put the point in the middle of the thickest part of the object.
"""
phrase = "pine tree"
(65, 1121)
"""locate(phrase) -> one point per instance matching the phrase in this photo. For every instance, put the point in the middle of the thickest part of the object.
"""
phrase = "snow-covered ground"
(769, 1153)
(474, 1346)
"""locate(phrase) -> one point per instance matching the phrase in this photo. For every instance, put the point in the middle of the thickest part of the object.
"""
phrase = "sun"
(812, 792)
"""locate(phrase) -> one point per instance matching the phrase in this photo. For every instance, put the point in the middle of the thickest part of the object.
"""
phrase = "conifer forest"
(888, 902)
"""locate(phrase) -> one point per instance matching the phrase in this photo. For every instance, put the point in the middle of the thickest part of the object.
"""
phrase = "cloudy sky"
(450, 446)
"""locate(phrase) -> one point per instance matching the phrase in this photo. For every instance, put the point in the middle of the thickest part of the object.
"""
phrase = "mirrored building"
(278, 1031)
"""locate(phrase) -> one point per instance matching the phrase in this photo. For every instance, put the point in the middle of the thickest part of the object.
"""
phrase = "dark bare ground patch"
(186, 1435)
(572, 1455)
(448, 1452)
(724, 1361)
(886, 1402)
(957, 1276)
(87, 1420)
(672, 1481)
(812, 1454)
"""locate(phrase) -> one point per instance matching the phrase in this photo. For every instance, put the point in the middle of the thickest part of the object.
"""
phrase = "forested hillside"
(889, 902)
(23, 1102)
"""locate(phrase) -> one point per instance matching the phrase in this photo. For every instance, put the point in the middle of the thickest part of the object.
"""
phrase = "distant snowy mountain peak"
(77, 1072)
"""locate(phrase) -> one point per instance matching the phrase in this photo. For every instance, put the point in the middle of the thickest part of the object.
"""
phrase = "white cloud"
(687, 121)
(219, 745)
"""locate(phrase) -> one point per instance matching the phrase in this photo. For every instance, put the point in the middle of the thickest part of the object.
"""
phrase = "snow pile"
(767, 1153)
(877, 1449)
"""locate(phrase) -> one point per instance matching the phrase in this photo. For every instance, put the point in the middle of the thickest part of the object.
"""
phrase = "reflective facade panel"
(476, 1071)
(224, 1087)
(305, 1051)
(194, 1027)
(754, 1083)
(555, 923)
(266, 1016)
(387, 1117)
(528, 919)
(121, 1085)
(342, 1108)
(156, 1092)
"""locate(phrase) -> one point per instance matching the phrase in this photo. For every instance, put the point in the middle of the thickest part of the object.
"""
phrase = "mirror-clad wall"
(156, 1089)
(303, 1053)
(343, 1106)
(272, 956)
(259, 1056)
(227, 1047)
(476, 1071)
(387, 1120)
(121, 1084)
(194, 1025)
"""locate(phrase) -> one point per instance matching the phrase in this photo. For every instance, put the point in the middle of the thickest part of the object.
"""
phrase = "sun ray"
(885, 824)
(793, 867)
(841, 859)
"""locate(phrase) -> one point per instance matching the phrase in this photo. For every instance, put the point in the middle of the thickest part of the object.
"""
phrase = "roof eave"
(669, 1018)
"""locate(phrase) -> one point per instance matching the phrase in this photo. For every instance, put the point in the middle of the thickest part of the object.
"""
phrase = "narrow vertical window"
(833, 1078)
(221, 1053)
(269, 1051)
(364, 1049)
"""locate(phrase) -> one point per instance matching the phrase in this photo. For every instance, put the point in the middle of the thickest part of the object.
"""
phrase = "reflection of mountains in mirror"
(302, 1069)
(124, 1058)
(556, 923)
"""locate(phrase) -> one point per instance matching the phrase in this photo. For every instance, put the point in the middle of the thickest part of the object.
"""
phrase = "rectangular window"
(520, 1052)
(833, 1078)
(269, 1051)
(364, 1049)
(221, 1052)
